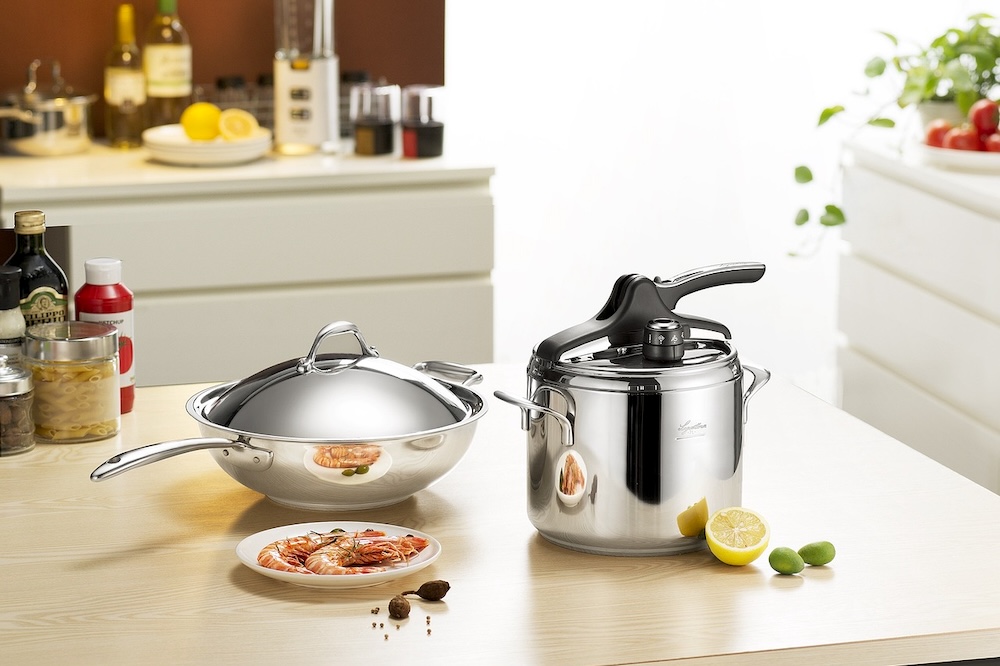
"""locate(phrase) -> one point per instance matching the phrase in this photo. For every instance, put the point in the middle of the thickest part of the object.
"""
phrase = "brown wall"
(402, 40)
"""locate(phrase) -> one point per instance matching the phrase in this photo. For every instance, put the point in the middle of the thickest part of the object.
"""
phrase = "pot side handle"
(527, 406)
(446, 370)
(760, 377)
(145, 455)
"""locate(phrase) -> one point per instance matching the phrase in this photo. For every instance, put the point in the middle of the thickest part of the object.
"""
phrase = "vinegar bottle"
(44, 288)
(124, 85)
(167, 60)
(104, 299)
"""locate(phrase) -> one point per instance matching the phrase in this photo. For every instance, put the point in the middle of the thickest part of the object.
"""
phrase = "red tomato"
(936, 131)
(964, 137)
(984, 116)
(992, 143)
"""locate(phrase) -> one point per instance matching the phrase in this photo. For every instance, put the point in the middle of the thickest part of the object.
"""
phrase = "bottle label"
(125, 323)
(43, 305)
(123, 85)
(168, 70)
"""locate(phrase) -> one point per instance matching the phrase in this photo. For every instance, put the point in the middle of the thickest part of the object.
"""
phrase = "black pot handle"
(636, 299)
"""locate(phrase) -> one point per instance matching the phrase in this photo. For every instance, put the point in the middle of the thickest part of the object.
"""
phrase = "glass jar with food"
(17, 431)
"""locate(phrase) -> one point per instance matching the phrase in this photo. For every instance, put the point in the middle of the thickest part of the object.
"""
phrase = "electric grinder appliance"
(306, 78)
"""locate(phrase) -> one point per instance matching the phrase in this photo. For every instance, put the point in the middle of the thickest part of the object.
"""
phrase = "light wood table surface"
(142, 568)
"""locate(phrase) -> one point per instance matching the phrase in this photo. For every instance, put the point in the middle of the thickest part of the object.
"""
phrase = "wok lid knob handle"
(663, 340)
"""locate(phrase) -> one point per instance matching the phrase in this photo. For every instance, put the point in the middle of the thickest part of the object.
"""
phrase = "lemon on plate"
(236, 124)
(691, 521)
(737, 536)
(200, 121)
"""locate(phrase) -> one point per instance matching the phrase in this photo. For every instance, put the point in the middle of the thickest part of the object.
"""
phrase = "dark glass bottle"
(44, 288)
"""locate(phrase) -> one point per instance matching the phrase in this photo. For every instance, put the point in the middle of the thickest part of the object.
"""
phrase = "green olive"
(363, 469)
(348, 472)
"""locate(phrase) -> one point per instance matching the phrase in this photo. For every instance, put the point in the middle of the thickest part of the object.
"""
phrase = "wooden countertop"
(142, 567)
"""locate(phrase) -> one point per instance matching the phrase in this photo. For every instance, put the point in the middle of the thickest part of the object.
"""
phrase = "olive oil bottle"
(44, 288)
(167, 60)
(124, 85)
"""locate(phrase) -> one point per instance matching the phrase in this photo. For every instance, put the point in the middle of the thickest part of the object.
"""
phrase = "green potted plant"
(943, 79)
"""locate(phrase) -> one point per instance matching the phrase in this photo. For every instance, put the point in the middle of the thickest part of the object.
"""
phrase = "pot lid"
(337, 396)
(37, 96)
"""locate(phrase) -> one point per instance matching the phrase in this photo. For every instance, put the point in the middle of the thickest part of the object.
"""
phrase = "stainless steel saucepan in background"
(331, 431)
(41, 120)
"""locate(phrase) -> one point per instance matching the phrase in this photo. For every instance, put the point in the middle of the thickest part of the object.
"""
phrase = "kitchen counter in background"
(145, 564)
(920, 303)
(239, 267)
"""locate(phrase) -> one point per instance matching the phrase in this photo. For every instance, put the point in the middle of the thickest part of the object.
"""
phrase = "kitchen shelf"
(919, 305)
(239, 267)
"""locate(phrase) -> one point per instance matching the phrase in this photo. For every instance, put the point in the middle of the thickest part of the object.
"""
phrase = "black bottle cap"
(10, 287)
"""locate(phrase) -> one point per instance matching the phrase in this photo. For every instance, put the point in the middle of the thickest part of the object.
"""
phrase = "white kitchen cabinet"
(237, 268)
(919, 306)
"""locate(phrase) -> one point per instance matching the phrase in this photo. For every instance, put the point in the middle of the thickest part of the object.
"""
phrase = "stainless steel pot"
(631, 419)
(331, 431)
(42, 121)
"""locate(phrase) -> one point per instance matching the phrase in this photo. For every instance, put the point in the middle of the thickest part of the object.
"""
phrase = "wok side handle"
(145, 455)
(465, 375)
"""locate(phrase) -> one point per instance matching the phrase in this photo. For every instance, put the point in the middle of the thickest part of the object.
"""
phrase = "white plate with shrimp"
(311, 535)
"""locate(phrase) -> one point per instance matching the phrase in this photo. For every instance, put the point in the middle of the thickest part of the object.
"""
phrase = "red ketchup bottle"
(106, 300)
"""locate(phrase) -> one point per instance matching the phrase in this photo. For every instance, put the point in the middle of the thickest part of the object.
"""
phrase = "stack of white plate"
(169, 144)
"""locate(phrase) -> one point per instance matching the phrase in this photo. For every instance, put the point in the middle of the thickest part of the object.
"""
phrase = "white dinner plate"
(965, 160)
(169, 144)
(249, 548)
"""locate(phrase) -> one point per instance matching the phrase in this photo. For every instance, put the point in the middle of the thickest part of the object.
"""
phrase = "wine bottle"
(124, 85)
(167, 59)
(44, 288)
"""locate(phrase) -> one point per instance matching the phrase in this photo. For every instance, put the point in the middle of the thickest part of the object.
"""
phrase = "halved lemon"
(692, 520)
(200, 121)
(737, 536)
(236, 124)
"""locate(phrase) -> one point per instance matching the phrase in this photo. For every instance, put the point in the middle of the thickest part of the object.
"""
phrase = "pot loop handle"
(636, 300)
(565, 421)
(308, 364)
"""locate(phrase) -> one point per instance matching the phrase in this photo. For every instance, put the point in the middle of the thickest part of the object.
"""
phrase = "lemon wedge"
(236, 124)
(737, 536)
(200, 121)
(692, 520)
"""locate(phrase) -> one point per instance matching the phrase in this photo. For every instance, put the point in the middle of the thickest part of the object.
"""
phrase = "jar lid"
(14, 380)
(70, 341)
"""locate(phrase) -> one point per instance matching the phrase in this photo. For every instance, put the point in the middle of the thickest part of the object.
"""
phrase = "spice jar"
(17, 430)
(74, 369)
(374, 112)
(423, 131)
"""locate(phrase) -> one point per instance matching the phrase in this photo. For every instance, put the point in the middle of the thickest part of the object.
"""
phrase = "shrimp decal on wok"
(340, 553)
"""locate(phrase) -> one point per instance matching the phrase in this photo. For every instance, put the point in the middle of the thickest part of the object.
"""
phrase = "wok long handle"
(145, 455)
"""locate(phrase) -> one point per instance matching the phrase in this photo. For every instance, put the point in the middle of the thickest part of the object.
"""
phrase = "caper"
(432, 590)
(399, 607)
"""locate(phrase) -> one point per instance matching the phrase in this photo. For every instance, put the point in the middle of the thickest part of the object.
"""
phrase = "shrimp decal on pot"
(571, 481)
(340, 553)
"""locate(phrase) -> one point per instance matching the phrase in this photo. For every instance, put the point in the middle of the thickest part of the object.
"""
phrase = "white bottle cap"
(103, 270)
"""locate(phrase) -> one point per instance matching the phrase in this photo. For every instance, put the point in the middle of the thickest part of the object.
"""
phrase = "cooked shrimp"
(571, 477)
(363, 554)
(346, 456)
(290, 554)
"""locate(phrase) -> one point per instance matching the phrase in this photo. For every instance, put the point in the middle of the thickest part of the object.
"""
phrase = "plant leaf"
(875, 67)
(801, 217)
(881, 122)
(803, 174)
(829, 112)
(832, 217)
(891, 37)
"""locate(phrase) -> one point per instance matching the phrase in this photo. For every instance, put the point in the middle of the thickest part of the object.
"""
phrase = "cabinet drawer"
(306, 237)
(216, 337)
(929, 341)
(945, 248)
(915, 417)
